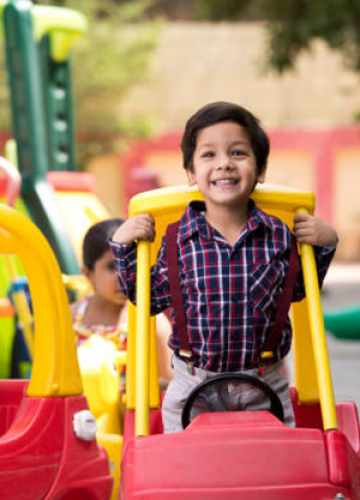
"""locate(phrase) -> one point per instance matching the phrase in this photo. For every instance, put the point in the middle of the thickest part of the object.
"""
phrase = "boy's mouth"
(224, 182)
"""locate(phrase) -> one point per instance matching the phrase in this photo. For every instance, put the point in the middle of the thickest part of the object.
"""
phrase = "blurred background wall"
(145, 66)
(308, 113)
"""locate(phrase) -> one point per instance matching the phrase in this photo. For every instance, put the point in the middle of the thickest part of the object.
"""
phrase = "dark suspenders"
(175, 289)
(178, 302)
(284, 301)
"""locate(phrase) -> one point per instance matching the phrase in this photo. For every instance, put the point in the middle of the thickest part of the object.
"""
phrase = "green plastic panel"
(35, 115)
(56, 81)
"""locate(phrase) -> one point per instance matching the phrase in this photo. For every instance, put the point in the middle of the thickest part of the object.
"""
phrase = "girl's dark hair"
(225, 112)
(96, 240)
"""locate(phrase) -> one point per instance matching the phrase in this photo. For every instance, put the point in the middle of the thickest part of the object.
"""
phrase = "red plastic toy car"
(48, 448)
(237, 455)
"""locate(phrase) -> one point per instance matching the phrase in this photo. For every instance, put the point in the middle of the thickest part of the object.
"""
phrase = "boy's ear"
(191, 177)
(261, 176)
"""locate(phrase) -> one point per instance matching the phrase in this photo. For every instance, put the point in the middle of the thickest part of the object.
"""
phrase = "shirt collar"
(257, 217)
(193, 220)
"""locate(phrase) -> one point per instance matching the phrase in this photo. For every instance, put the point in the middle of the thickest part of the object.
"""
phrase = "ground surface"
(342, 289)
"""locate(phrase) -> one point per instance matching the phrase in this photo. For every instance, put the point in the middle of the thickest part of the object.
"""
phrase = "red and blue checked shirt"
(230, 293)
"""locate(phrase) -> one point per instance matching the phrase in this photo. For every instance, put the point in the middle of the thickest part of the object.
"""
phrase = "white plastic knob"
(84, 425)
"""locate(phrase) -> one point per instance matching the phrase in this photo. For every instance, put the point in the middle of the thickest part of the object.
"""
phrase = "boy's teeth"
(225, 181)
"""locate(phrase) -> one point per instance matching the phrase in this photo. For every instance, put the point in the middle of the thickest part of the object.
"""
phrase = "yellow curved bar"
(142, 391)
(317, 330)
(175, 198)
(55, 369)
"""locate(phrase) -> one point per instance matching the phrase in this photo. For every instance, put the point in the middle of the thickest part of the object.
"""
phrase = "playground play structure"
(46, 422)
(59, 199)
(219, 455)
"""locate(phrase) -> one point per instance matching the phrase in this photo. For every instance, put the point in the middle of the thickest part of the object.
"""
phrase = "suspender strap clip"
(265, 358)
(187, 357)
(185, 354)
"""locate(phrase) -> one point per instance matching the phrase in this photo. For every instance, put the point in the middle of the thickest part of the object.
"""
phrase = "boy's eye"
(238, 152)
(208, 154)
(111, 266)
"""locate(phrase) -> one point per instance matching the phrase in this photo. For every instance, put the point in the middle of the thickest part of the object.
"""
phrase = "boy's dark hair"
(96, 240)
(225, 112)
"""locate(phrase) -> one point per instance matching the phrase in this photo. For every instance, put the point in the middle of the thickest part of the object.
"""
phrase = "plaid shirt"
(230, 293)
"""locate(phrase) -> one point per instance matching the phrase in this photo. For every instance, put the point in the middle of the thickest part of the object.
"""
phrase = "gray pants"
(184, 382)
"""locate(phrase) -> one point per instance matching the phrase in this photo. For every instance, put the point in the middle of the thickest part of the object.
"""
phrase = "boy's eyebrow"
(212, 144)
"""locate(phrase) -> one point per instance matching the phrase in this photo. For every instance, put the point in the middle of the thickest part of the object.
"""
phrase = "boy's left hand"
(314, 231)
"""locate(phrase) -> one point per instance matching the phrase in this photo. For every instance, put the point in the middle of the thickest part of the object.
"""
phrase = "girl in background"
(105, 312)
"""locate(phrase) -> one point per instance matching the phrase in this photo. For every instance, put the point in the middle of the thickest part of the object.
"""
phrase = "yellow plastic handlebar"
(318, 338)
(63, 25)
(142, 393)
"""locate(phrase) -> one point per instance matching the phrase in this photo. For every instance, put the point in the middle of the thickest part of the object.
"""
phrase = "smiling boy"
(233, 260)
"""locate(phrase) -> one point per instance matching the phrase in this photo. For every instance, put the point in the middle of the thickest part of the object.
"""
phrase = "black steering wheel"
(228, 392)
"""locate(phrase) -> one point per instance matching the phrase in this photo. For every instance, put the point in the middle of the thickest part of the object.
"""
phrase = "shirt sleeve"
(125, 259)
(125, 267)
(160, 287)
(323, 258)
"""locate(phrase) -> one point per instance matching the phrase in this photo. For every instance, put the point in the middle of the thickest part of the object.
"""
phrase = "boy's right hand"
(138, 227)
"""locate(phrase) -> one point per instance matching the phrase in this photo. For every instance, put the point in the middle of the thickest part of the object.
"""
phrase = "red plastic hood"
(223, 456)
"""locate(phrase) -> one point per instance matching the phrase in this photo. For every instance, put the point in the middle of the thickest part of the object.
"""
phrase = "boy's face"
(224, 165)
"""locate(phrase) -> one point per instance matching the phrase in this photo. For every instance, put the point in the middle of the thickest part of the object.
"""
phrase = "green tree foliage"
(295, 24)
(5, 121)
(206, 10)
(107, 61)
(220, 10)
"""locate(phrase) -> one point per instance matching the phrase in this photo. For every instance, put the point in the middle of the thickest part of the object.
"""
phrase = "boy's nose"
(224, 163)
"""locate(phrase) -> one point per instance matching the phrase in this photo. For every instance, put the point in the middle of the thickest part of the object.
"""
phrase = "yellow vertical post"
(305, 376)
(317, 329)
(142, 391)
(131, 358)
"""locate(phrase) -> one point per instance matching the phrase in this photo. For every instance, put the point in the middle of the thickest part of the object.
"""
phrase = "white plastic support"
(84, 425)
